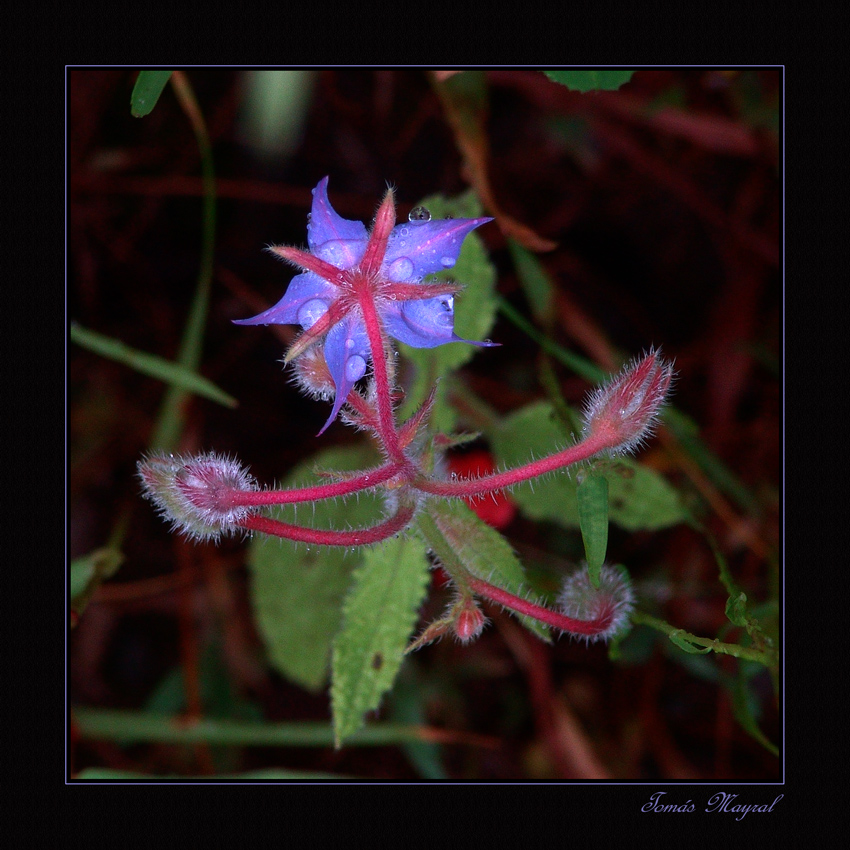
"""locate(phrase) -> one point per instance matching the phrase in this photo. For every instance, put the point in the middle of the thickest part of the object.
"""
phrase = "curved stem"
(545, 615)
(328, 537)
(498, 481)
(364, 481)
(768, 658)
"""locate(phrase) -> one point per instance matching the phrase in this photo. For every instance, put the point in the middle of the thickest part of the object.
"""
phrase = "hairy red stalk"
(328, 537)
(545, 615)
(335, 313)
(420, 291)
(487, 483)
(376, 248)
(311, 263)
(240, 498)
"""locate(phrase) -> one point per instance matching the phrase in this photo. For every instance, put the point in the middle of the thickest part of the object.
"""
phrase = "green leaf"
(297, 591)
(638, 497)
(150, 365)
(684, 644)
(146, 91)
(475, 313)
(458, 536)
(380, 614)
(592, 499)
(585, 81)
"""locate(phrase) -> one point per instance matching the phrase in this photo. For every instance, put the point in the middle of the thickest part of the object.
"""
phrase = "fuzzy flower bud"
(197, 492)
(313, 376)
(469, 621)
(625, 410)
(613, 600)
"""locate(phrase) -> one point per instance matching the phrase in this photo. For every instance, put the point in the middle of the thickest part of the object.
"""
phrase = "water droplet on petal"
(310, 312)
(400, 269)
(447, 262)
(355, 368)
(419, 214)
(349, 343)
(404, 232)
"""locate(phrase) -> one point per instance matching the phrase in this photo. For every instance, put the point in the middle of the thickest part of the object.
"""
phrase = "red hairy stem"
(328, 537)
(487, 483)
(241, 498)
(545, 615)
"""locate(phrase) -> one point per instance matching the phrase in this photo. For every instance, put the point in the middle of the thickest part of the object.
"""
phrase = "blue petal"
(430, 246)
(302, 288)
(326, 226)
(424, 324)
(347, 354)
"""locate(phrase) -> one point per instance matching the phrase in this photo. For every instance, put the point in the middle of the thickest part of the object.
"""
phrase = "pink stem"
(498, 481)
(242, 498)
(545, 615)
(327, 537)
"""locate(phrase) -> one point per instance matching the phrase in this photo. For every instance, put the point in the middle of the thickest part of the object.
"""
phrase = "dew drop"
(447, 262)
(419, 214)
(355, 368)
(404, 232)
(310, 312)
(400, 269)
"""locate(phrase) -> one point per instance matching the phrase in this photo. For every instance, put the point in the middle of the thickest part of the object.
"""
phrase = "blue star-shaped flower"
(347, 267)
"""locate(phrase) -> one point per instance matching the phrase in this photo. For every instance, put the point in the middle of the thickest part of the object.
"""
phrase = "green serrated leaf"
(146, 91)
(592, 500)
(151, 365)
(638, 497)
(475, 313)
(380, 614)
(684, 644)
(585, 81)
(455, 531)
(297, 591)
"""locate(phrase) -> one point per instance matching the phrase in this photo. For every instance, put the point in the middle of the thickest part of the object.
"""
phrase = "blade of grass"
(149, 86)
(150, 364)
(132, 726)
(172, 415)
